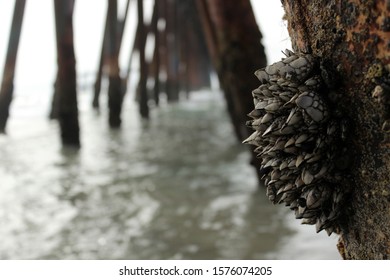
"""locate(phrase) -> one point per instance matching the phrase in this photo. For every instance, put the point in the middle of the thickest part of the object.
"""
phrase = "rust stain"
(366, 34)
(354, 35)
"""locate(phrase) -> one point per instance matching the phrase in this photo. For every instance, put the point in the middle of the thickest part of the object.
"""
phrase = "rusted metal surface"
(352, 38)
(6, 90)
(66, 78)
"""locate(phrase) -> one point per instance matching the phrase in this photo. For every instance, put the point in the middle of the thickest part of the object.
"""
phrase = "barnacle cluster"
(298, 139)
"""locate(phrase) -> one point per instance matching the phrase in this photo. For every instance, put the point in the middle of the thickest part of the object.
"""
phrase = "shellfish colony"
(298, 139)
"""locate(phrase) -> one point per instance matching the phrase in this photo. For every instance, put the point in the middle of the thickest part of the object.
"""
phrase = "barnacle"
(298, 140)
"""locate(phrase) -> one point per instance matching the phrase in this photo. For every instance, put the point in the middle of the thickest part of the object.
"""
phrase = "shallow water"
(178, 187)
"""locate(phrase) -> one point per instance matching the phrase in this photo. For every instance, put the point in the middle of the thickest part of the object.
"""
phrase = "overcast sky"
(36, 62)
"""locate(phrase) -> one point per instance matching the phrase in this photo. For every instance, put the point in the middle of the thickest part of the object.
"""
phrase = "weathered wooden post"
(66, 78)
(7, 87)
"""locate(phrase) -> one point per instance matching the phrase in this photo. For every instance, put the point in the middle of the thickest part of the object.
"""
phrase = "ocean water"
(177, 187)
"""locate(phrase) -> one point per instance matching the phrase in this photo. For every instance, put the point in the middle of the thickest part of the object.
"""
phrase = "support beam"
(233, 39)
(156, 55)
(195, 64)
(164, 46)
(66, 79)
(143, 95)
(115, 96)
(120, 30)
(99, 74)
(171, 51)
(7, 86)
